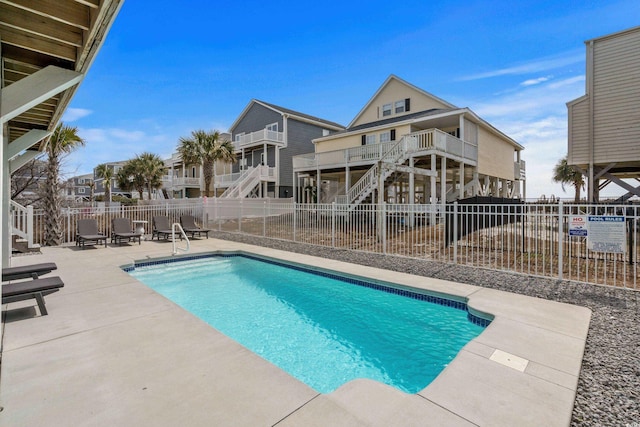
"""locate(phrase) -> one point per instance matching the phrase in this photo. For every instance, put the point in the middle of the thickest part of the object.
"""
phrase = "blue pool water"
(320, 328)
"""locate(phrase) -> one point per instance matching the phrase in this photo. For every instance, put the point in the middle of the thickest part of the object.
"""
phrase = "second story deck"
(431, 141)
(258, 138)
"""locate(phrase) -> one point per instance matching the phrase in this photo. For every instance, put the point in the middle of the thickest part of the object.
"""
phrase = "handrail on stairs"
(22, 222)
(175, 226)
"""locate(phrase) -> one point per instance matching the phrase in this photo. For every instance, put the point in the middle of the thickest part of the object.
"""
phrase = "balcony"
(260, 137)
(180, 182)
(418, 143)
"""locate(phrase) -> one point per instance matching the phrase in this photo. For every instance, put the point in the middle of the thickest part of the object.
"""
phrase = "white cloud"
(73, 114)
(535, 66)
(532, 82)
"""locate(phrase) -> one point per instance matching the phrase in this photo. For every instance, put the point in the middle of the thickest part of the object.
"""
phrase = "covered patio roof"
(46, 48)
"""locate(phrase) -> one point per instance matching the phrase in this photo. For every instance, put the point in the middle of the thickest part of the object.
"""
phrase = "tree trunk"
(207, 173)
(53, 215)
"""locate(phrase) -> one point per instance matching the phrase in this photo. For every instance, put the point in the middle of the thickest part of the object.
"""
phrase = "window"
(81, 190)
(272, 127)
(325, 132)
(238, 136)
(385, 137)
(400, 106)
(80, 180)
(386, 110)
(371, 139)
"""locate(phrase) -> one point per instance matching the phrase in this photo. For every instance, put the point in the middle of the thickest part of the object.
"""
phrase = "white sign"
(578, 225)
(606, 234)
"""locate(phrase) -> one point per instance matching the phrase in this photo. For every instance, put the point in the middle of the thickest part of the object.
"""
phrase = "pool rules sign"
(604, 233)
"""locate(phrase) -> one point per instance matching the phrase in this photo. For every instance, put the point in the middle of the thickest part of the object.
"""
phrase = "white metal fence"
(535, 239)
(104, 215)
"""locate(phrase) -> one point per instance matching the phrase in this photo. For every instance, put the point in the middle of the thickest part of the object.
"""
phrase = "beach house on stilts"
(409, 146)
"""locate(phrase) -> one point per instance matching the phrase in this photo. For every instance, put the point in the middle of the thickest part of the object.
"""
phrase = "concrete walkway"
(112, 352)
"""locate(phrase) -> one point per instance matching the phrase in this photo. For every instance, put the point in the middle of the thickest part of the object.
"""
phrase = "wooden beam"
(90, 3)
(31, 91)
(22, 160)
(25, 142)
(38, 44)
(408, 169)
(43, 26)
(70, 13)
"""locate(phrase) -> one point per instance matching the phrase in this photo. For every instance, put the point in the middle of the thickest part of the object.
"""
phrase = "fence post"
(333, 224)
(383, 226)
(68, 239)
(560, 238)
(295, 212)
(264, 218)
(455, 231)
(30, 226)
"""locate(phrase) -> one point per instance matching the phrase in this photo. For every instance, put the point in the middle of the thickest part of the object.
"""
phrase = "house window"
(238, 136)
(272, 127)
(400, 106)
(385, 137)
(81, 181)
(325, 132)
(386, 110)
(371, 139)
(81, 190)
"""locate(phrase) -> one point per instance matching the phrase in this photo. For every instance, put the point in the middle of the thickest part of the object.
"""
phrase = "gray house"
(266, 137)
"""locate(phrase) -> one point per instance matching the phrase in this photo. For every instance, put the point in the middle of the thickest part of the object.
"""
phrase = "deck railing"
(426, 140)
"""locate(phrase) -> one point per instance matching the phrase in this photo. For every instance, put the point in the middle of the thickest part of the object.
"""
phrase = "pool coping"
(522, 370)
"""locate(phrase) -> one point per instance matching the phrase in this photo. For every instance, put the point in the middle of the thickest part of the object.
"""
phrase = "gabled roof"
(291, 113)
(385, 84)
(402, 118)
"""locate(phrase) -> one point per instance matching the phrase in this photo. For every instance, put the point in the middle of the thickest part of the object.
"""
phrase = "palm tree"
(106, 173)
(63, 140)
(565, 174)
(205, 148)
(151, 168)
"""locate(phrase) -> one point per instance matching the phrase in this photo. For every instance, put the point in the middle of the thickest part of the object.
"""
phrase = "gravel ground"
(609, 383)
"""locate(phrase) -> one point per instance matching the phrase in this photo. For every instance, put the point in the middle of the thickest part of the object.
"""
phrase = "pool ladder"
(173, 239)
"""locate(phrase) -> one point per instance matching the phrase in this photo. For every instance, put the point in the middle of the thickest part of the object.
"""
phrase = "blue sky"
(170, 67)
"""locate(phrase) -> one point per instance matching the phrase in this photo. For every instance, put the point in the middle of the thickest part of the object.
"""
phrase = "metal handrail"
(173, 239)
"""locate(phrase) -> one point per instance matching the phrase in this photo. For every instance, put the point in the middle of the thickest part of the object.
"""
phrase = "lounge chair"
(88, 233)
(188, 223)
(22, 272)
(36, 288)
(122, 230)
(161, 227)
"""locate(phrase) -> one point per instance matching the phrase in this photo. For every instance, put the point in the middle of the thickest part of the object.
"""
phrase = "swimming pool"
(320, 327)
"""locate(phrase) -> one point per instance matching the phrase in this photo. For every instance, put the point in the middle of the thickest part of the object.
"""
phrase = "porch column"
(347, 181)
(318, 186)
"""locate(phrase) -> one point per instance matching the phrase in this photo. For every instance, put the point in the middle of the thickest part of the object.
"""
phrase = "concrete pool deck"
(113, 352)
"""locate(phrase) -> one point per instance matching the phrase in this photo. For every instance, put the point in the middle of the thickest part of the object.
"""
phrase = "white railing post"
(295, 213)
(333, 224)
(560, 238)
(383, 225)
(240, 216)
(264, 218)
(455, 231)
(30, 226)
